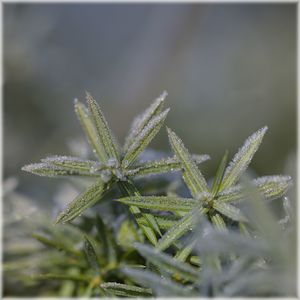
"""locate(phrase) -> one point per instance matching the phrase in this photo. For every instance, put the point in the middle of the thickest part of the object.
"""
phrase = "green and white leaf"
(164, 222)
(165, 203)
(87, 124)
(181, 227)
(70, 162)
(142, 140)
(271, 187)
(50, 170)
(87, 199)
(149, 230)
(142, 120)
(185, 251)
(169, 164)
(192, 175)
(242, 159)
(102, 128)
(229, 211)
(219, 222)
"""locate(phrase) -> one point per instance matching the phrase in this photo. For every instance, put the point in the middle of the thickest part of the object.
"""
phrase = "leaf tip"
(170, 131)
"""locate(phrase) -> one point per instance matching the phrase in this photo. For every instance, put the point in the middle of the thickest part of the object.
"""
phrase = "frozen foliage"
(206, 244)
(242, 158)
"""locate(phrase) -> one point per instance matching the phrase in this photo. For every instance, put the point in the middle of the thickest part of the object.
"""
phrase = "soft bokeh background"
(229, 69)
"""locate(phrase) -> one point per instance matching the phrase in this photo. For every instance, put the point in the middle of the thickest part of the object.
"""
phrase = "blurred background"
(229, 69)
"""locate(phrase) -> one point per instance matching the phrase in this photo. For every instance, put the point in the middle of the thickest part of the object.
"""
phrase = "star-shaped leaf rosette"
(113, 165)
(217, 202)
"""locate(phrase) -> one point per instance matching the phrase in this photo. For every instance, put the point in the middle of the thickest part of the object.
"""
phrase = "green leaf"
(168, 262)
(185, 224)
(233, 194)
(164, 222)
(166, 203)
(229, 211)
(87, 124)
(193, 177)
(184, 252)
(219, 222)
(127, 234)
(88, 198)
(242, 159)
(148, 231)
(144, 138)
(69, 162)
(128, 188)
(90, 252)
(141, 121)
(107, 241)
(57, 244)
(271, 187)
(219, 175)
(161, 286)
(125, 290)
(169, 164)
(243, 229)
(50, 170)
(102, 128)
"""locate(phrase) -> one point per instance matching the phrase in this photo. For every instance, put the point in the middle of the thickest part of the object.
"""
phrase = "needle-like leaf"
(242, 159)
(102, 128)
(185, 224)
(90, 252)
(107, 242)
(131, 190)
(271, 187)
(50, 170)
(141, 121)
(219, 175)
(167, 262)
(169, 164)
(69, 162)
(229, 211)
(87, 124)
(193, 177)
(166, 203)
(57, 244)
(164, 222)
(184, 252)
(88, 198)
(219, 222)
(125, 290)
(142, 140)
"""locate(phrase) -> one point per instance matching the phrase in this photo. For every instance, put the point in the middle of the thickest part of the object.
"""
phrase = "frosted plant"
(113, 165)
(220, 241)
(218, 201)
(250, 265)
